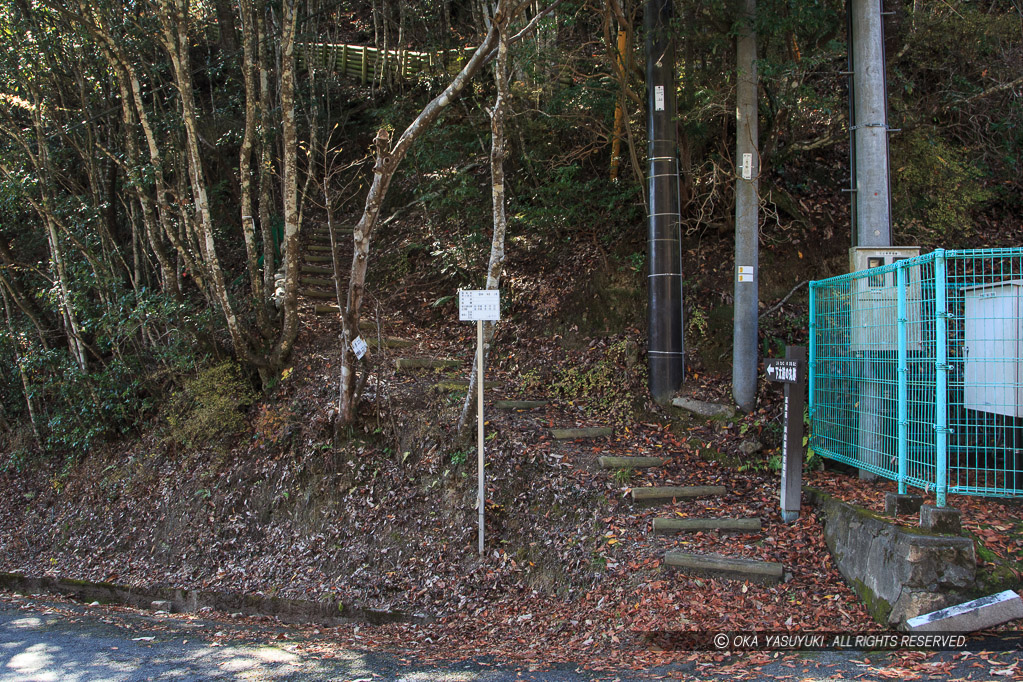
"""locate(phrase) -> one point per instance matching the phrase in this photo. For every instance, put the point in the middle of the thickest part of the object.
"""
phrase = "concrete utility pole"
(664, 246)
(871, 191)
(747, 215)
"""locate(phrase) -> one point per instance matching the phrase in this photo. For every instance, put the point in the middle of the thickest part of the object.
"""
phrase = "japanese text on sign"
(784, 371)
(359, 347)
(479, 304)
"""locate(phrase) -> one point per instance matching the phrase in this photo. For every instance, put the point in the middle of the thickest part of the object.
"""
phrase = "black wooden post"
(792, 372)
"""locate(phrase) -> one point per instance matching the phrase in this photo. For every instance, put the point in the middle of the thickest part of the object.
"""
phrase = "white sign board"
(479, 304)
(744, 273)
(658, 98)
(747, 166)
(358, 347)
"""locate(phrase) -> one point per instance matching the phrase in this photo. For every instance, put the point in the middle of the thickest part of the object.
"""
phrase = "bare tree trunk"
(497, 156)
(248, 208)
(387, 160)
(289, 308)
(265, 156)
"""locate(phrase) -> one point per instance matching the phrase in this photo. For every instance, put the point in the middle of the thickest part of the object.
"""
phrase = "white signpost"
(479, 305)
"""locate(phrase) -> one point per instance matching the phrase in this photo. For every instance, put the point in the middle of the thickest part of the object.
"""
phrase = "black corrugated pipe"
(665, 258)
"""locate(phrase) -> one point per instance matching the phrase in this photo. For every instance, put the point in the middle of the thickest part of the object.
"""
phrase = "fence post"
(810, 364)
(941, 377)
(903, 377)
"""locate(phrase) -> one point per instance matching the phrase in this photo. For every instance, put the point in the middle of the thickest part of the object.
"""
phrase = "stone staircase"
(689, 563)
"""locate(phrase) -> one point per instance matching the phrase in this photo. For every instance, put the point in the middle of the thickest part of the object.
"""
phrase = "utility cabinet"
(993, 348)
(874, 321)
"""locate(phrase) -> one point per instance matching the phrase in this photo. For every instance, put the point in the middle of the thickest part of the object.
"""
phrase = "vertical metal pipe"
(873, 206)
(903, 372)
(811, 364)
(481, 462)
(851, 69)
(747, 218)
(941, 378)
(663, 245)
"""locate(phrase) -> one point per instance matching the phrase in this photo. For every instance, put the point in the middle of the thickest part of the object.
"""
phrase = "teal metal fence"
(916, 371)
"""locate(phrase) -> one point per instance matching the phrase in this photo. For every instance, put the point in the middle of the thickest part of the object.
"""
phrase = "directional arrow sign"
(785, 371)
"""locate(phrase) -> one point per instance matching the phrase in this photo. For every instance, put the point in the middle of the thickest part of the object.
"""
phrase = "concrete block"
(944, 520)
(971, 616)
(649, 497)
(703, 409)
(573, 434)
(896, 504)
(726, 568)
(671, 526)
(162, 605)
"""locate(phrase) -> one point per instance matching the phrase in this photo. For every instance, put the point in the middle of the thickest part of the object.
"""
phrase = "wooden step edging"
(316, 270)
(318, 248)
(519, 404)
(425, 363)
(649, 497)
(609, 462)
(316, 282)
(727, 568)
(312, 293)
(589, 432)
(313, 258)
(664, 526)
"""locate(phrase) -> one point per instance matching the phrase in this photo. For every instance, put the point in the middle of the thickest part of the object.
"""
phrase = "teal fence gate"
(916, 371)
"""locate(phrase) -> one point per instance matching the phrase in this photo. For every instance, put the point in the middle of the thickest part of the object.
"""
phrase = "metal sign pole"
(482, 498)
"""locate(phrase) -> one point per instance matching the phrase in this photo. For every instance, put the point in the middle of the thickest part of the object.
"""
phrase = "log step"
(652, 496)
(727, 568)
(323, 309)
(519, 404)
(451, 386)
(317, 248)
(425, 363)
(672, 526)
(312, 293)
(316, 270)
(313, 258)
(316, 282)
(573, 434)
(608, 462)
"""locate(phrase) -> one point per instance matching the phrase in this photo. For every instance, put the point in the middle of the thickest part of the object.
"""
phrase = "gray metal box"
(993, 340)
(873, 314)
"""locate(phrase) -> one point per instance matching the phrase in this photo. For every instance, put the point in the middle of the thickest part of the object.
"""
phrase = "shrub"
(211, 406)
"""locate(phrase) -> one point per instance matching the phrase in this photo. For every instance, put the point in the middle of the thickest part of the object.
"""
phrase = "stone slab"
(979, 614)
(716, 566)
(519, 404)
(573, 434)
(671, 526)
(649, 497)
(609, 462)
(704, 409)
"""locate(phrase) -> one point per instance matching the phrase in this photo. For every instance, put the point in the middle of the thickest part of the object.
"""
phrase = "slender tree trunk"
(25, 386)
(289, 127)
(387, 160)
(497, 155)
(248, 208)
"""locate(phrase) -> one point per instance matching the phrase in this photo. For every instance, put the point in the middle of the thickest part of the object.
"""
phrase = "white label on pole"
(479, 304)
(745, 273)
(359, 347)
(658, 98)
(747, 166)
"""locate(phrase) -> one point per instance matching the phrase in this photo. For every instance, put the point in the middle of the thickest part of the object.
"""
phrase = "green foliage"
(609, 387)
(211, 406)
(938, 190)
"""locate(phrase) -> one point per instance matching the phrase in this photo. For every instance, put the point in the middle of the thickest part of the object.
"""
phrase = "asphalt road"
(44, 639)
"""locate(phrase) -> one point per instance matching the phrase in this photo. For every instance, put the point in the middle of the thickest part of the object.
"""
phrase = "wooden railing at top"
(368, 63)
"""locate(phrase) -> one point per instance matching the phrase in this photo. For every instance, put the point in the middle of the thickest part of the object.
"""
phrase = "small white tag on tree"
(359, 347)
(479, 304)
